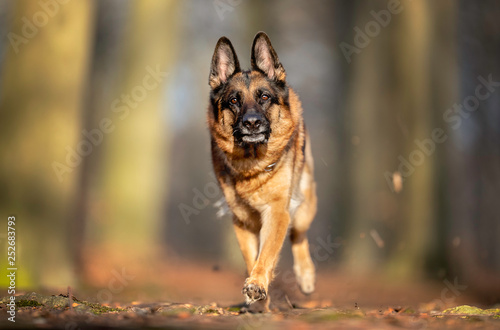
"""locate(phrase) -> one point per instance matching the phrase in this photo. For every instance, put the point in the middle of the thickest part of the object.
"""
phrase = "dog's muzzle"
(253, 128)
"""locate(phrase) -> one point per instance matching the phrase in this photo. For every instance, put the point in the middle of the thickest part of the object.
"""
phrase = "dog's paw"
(305, 279)
(254, 292)
(306, 283)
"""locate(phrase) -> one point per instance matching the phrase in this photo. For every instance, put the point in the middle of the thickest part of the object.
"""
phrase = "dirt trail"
(203, 296)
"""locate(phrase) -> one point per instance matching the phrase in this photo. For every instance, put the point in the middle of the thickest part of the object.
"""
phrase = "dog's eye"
(234, 100)
(264, 97)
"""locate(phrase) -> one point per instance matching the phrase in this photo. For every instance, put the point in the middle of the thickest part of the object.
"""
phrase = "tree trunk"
(42, 87)
(415, 227)
(131, 183)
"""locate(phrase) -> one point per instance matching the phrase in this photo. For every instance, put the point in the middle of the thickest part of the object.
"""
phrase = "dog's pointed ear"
(224, 63)
(265, 59)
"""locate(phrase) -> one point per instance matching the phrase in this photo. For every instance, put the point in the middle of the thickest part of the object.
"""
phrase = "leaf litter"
(67, 312)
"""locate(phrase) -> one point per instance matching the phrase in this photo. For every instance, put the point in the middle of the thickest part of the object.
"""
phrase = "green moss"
(495, 311)
(331, 315)
(47, 301)
(211, 311)
(99, 309)
(28, 303)
(208, 310)
(409, 311)
(34, 299)
(177, 311)
(234, 309)
(471, 310)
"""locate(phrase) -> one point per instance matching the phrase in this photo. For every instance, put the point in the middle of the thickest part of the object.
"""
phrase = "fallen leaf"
(183, 315)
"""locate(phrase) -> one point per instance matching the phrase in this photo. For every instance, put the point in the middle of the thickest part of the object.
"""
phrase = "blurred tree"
(104, 70)
(444, 87)
(390, 102)
(411, 95)
(132, 179)
(43, 80)
(372, 121)
(473, 182)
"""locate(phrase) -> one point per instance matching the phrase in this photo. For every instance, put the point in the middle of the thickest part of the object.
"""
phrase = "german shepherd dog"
(263, 162)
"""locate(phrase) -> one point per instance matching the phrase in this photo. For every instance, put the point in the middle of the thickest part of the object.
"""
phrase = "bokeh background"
(105, 158)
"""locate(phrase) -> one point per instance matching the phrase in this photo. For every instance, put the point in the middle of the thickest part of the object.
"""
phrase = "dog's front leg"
(275, 221)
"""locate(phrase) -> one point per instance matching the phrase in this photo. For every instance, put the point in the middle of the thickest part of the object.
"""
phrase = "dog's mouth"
(254, 138)
(244, 136)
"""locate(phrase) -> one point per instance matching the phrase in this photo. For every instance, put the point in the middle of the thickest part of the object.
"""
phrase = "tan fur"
(269, 191)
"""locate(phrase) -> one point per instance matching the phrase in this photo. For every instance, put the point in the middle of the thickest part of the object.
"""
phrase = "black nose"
(252, 120)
